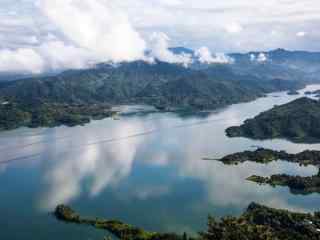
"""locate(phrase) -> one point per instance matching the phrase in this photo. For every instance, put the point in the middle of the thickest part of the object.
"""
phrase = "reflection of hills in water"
(104, 167)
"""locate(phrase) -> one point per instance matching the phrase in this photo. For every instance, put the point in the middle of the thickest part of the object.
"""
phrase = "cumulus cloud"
(88, 32)
(260, 58)
(159, 49)
(301, 34)
(50, 56)
(233, 27)
(96, 25)
(204, 55)
(57, 55)
(21, 60)
(111, 30)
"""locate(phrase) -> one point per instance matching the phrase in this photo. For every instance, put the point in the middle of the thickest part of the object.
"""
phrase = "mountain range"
(74, 97)
(169, 86)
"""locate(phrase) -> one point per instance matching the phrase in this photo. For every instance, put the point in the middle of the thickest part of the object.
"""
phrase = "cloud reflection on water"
(102, 165)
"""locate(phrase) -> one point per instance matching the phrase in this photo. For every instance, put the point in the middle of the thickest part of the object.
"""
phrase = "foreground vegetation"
(298, 121)
(14, 115)
(117, 228)
(256, 223)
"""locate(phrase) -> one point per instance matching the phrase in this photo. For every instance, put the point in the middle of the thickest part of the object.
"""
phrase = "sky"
(39, 35)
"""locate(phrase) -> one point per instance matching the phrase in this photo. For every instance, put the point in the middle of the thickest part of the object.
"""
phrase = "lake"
(145, 169)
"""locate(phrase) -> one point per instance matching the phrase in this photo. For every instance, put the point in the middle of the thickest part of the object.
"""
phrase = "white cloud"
(205, 56)
(262, 57)
(233, 28)
(159, 46)
(49, 56)
(118, 30)
(31, 40)
(88, 32)
(98, 26)
(23, 59)
(301, 34)
(58, 55)
(171, 2)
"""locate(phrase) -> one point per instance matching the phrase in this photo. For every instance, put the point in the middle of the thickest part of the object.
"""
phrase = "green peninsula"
(258, 222)
(298, 121)
(17, 114)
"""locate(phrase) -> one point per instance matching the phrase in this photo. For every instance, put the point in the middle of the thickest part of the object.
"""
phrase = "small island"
(296, 184)
(258, 222)
(298, 121)
(263, 155)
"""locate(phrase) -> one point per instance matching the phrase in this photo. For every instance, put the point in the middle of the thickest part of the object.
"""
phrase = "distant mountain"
(6, 77)
(76, 96)
(160, 84)
(280, 56)
(279, 63)
(171, 86)
(182, 50)
(298, 121)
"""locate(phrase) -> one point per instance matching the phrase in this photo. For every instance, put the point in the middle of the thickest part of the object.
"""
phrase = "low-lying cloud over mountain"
(42, 35)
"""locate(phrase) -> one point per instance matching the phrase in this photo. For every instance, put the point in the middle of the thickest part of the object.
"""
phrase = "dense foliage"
(297, 184)
(298, 121)
(164, 85)
(13, 115)
(257, 223)
(262, 155)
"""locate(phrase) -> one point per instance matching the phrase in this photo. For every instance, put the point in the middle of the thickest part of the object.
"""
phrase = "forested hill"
(298, 121)
(160, 84)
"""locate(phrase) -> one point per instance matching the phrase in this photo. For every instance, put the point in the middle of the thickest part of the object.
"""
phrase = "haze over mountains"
(299, 61)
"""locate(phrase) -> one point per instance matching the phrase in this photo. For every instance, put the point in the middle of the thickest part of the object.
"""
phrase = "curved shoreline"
(258, 222)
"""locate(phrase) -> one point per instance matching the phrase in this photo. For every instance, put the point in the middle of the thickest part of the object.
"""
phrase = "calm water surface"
(145, 169)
